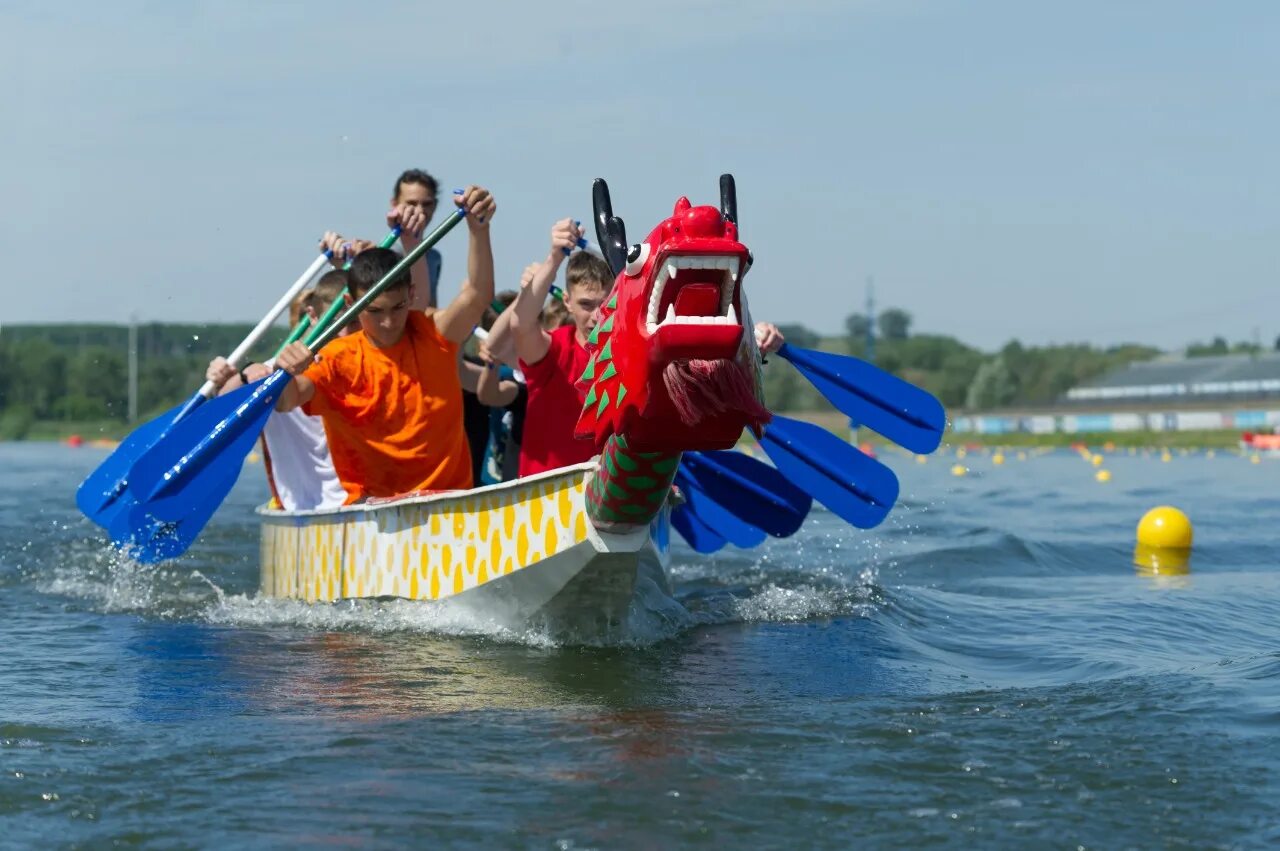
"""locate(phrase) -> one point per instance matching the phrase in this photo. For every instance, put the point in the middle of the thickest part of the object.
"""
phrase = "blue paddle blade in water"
(698, 535)
(714, 516)
(177, 485)
(852, 485)
(750, 490)
(98, 495)
(909, 416)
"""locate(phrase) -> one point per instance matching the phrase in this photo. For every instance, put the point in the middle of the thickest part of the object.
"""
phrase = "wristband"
(244, 379)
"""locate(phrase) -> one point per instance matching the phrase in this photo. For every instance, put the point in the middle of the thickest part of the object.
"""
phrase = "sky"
(1052, 172)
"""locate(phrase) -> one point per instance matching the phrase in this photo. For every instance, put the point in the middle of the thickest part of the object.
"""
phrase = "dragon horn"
(610, 232)
(728, 198)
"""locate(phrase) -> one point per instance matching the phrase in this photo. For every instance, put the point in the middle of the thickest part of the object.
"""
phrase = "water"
(986, 668)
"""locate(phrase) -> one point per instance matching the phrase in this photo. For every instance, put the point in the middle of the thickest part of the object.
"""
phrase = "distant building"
(1184, 394)
(1222, 378)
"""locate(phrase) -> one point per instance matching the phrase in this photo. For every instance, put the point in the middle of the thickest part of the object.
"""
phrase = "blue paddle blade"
(852, 485)
(910, 417)
(751, 490)
(149, 539)
(715, 516)
(695, 532)
(176, 486)
(97, 495)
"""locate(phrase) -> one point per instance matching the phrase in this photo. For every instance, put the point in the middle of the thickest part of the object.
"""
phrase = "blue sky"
(1087, 171)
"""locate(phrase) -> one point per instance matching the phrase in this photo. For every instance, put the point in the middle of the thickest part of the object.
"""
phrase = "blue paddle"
(715, 515)
(176, 486)
(851, 484)
(897, 409)
(98, 493)
(694, 529)
(751, 490)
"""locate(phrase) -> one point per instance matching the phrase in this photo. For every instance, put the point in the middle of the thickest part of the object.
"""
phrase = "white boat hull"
(516, 554)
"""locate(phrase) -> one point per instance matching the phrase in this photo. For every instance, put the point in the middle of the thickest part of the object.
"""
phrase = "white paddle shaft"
(313, 271)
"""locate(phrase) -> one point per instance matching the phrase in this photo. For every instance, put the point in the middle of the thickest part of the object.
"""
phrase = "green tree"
(993, 386)
(894, 323)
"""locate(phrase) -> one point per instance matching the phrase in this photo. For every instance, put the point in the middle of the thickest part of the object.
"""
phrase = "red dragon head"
(673, 368)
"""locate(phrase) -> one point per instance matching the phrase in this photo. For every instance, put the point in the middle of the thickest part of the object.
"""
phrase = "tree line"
(961, 376)
(74, 373)
(79, 373)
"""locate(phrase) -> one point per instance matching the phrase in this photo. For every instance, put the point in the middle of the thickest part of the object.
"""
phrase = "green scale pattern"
(629, 487)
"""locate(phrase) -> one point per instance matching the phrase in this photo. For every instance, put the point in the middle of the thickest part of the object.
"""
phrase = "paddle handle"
(317, 341)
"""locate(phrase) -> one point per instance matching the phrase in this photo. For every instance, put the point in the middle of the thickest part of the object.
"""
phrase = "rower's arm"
(493, 391)
(531, 340)
(502, 343)
(456, 321)
(296, 393)
(295, 359)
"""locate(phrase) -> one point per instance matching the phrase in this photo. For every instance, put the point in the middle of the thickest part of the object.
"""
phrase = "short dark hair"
(372, 266)
(490, 316)
(418, 176)
(328, 289)
(586, 268)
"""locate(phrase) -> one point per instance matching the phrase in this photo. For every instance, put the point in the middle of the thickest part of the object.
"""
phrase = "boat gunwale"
(267, 512)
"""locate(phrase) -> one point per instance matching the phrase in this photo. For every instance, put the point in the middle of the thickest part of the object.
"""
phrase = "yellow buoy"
(922, 459)
(1103, 475)
(959, 470)
(252, 458)
(960, 453)
(1164, 541)
(1165, 526)
(997, 459)
(1255, 459)
(1166, 457)
(1096, 460)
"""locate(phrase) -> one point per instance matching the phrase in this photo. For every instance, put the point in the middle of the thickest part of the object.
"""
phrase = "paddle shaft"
(265, 394)
(325, 333)
(305, 322)
(208, 389)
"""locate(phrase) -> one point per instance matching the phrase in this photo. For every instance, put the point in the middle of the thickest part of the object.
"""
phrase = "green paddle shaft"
(305, 322)
(323, 332)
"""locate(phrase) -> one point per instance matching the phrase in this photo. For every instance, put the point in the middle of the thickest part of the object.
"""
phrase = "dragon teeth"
(732, 316)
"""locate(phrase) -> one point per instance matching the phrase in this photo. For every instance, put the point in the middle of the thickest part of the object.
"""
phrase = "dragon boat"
(672, 383)
(673, 368)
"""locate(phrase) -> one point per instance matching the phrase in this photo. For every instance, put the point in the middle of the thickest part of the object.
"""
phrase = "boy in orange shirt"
(389, 395)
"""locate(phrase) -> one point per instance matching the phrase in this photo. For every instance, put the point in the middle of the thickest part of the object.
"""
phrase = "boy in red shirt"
(552, 361)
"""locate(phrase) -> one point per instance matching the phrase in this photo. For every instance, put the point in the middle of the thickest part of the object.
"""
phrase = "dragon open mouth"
(694, 289)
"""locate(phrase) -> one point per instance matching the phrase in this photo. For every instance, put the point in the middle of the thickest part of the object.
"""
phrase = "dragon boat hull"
(518, 554)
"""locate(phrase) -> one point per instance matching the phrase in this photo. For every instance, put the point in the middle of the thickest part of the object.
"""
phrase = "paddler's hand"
(479, 205)
(295, 359)
(339, 248)
(526, 278)
(768, 338)
(256, 371)
(219, 372)
(564, 238)
(411, 220)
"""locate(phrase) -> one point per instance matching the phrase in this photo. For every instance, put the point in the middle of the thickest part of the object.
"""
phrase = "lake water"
(986, 668)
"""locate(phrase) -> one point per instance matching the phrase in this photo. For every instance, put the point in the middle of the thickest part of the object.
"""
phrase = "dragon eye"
(636, 257)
